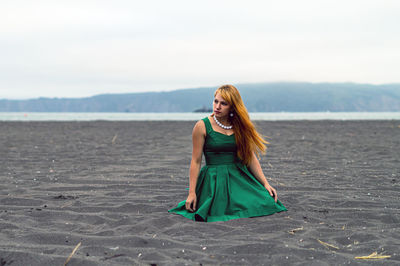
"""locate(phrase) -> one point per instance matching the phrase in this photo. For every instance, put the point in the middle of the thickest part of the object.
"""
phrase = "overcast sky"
(80, 48)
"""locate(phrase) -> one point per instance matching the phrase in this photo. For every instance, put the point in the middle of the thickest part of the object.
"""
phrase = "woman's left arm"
(255, 169)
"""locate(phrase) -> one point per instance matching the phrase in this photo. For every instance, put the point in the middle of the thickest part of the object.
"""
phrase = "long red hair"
(248, 140)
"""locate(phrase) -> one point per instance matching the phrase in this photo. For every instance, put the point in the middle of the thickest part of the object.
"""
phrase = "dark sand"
(109, 185)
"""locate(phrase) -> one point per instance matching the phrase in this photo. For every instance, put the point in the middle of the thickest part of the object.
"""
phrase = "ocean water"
(281, 116)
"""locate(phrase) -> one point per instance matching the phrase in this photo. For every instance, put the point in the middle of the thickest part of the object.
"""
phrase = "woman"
(231, 185)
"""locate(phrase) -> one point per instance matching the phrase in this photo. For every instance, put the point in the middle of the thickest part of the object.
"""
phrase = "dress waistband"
(215, 158)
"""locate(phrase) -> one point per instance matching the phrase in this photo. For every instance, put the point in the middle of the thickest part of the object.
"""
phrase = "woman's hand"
(271, 191)
(191, 202)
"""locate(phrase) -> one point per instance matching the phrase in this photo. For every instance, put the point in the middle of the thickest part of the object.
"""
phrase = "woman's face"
(220, 106)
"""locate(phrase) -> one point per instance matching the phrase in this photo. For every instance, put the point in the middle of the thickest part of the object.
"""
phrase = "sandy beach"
(108, 186)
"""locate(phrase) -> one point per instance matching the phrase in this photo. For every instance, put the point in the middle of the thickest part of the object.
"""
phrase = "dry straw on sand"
(327, 245)
(72, 253)
(295, 230)
(373, 255)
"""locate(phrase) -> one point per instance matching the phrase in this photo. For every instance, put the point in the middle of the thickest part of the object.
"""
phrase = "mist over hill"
(258, 97)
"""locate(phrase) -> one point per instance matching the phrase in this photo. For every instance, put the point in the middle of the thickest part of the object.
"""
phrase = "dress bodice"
(219, 148)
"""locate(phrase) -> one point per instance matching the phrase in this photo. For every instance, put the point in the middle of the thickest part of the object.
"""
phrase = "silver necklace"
(221, 125)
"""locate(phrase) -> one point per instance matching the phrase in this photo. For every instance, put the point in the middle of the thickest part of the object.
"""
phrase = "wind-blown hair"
(248, 140)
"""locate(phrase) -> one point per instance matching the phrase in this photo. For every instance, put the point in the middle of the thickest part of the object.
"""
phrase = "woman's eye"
(224, 103)
(216, 101)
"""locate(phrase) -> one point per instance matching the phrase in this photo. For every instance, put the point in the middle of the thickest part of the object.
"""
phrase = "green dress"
(225, 188)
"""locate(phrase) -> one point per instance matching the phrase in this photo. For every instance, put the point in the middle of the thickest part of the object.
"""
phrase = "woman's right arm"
(198, 138)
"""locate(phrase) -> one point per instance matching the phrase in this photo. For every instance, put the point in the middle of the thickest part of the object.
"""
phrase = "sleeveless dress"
(225, 188)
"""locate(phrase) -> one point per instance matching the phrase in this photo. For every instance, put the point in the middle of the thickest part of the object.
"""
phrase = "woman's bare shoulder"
(199, 128)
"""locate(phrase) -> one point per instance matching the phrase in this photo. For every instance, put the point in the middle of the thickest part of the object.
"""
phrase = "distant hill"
(258, 97)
